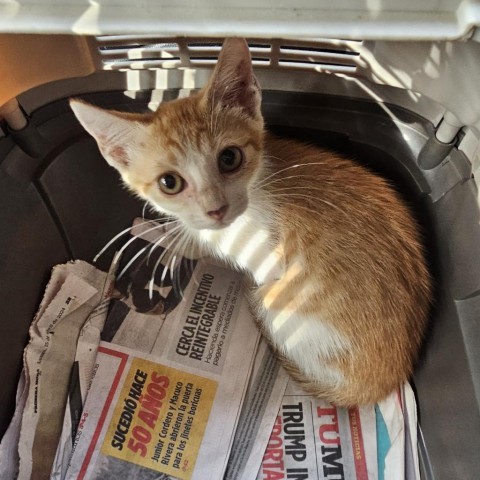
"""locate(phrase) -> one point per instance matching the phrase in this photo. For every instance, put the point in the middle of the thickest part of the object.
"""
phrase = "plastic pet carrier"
(399, 90)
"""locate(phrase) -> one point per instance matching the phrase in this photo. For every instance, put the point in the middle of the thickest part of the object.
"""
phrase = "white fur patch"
(269, 269)
(248, 244)
(306, 341)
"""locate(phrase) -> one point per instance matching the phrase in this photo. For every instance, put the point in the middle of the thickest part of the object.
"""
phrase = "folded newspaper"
(160, 373)
(312, 439)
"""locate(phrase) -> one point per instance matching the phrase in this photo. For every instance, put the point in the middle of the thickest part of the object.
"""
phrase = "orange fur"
(366, 249)
(344, 291)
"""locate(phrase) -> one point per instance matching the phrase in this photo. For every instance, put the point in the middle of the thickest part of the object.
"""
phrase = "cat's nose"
(219, 213)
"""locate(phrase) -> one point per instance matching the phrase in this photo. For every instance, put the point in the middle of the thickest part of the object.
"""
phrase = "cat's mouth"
(220, 223)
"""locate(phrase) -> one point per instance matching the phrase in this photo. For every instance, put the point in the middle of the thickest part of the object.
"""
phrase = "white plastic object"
(448, 128)
(367, 19)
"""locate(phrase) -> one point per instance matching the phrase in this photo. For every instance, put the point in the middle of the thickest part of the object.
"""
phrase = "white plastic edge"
(365, 21)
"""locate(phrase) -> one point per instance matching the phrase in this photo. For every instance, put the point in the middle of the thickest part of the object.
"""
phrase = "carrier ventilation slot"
(141, 52)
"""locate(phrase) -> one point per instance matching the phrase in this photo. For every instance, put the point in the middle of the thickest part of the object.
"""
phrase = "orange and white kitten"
(342, 290)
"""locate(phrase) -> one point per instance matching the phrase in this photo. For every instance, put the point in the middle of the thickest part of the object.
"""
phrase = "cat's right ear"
(115, 134)
(233, 83)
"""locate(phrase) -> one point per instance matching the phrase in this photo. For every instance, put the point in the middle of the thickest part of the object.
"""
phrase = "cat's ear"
(115, 134)
(233, 83)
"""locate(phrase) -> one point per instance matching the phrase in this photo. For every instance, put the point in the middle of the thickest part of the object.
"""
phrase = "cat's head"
(195, 158)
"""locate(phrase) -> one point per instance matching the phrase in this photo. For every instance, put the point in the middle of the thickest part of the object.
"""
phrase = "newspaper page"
(396, 419)
(409, 410)
(135, 320)
(72, 293)
(312, 439)
(184, 319)
(81, 374)
(205, 342)
(9, 457)
(262, 402)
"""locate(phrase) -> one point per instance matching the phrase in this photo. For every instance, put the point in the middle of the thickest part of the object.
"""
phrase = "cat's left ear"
(116, 133)
(233, 83)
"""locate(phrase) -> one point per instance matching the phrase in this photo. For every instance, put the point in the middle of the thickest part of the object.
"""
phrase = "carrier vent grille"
(140, 52)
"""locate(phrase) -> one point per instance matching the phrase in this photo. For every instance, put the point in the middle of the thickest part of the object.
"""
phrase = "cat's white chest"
(248, 244)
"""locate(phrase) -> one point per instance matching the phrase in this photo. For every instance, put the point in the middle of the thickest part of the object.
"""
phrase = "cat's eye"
(230, 159)
(171, 183)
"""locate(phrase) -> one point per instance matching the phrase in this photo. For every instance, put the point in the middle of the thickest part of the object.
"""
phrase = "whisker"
(259, 187)
(299, 187)
(326, 202)
(169, 221)
(172, 252)
(182, 249)
(135, 237)
(289, 168)
(115, 238)
(272, 157)
(176, 278)
(166, 250)
(152, 280)
(170, 267)
(190, 245)
(131, 262)
(261, 211)
(301, 195)
(156, 244)
(192, 265)
(304, 207)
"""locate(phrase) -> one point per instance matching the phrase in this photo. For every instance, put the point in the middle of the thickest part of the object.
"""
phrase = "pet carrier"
(396, 89)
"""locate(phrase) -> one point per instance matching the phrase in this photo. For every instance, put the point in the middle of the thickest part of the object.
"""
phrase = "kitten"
(342, 288)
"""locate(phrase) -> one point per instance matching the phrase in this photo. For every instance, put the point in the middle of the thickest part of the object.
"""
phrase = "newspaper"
(134, 320)
(409, 409)
(72, 293)
(81, 373)
(187, 337)
(313, 439)
(259, 412)
(263, 412)
(131, 314)
(268, 380)
(199, 367)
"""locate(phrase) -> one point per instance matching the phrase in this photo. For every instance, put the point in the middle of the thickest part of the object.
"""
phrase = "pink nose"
(218, 214)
